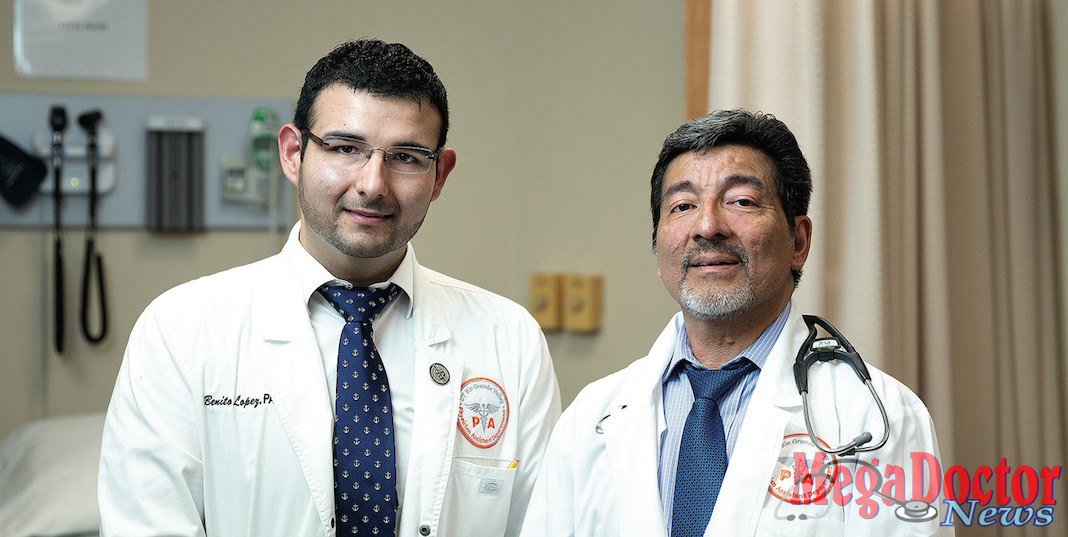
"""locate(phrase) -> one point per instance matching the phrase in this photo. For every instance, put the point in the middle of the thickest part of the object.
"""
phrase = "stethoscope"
(89, 121)
(827, 349)
(824, 350)
(838, 347)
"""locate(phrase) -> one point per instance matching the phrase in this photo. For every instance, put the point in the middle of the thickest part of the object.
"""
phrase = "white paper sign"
(98, 39)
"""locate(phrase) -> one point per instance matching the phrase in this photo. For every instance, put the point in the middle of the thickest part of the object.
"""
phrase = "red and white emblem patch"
(483, 412)
(803, 474)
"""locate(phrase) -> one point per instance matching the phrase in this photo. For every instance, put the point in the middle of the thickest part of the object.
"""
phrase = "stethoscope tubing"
(92, 255)
(855, 445)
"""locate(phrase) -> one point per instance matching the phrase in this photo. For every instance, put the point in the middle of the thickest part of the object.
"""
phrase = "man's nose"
(370, 180)
(711, 222)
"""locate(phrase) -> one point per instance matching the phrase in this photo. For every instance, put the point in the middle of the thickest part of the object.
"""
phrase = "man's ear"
(802, 241)
(289, 151)
(446, 161)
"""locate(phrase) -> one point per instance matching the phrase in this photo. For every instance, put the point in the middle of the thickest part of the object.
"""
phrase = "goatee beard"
(712, 304)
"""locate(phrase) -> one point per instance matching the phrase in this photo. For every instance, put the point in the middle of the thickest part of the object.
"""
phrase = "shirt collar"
(310, 275)
(757, 353)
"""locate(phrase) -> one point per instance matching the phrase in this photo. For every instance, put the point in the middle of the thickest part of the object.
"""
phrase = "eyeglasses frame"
(431, 157)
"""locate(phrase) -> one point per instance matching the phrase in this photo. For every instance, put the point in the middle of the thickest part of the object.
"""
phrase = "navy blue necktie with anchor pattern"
(365, 466)
(703, 452)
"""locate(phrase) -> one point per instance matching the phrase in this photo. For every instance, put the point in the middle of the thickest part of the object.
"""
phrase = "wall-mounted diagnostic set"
(167, 165)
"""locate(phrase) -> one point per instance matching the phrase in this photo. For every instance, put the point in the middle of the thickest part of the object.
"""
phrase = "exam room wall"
(535, 87)
(558, 110)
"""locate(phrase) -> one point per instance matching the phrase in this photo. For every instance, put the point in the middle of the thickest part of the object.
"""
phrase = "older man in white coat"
(706, 435)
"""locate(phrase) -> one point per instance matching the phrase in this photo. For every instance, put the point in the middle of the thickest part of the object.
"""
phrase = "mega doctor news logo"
(809, 482)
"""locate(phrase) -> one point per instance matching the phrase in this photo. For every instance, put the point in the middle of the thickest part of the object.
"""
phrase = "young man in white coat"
(706, 435)
(233, 413)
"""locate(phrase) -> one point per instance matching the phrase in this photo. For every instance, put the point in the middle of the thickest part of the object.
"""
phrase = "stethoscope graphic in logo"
(800, 508)
(908, 511)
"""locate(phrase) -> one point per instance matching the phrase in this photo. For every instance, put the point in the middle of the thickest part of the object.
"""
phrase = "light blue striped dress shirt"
(678, 398)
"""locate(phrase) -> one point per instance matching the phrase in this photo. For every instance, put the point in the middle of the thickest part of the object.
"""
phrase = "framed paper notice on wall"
(95, 39)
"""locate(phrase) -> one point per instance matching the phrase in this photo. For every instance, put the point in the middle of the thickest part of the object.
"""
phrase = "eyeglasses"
(345, 151)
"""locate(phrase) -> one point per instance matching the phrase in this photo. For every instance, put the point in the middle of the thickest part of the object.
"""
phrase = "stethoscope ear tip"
(598, 428)
(862, 439)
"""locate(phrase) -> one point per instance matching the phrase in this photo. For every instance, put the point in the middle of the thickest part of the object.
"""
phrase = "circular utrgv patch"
(803, 473)
(483, 412)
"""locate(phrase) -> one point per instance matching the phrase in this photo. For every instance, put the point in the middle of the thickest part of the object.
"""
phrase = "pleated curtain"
(927, 128)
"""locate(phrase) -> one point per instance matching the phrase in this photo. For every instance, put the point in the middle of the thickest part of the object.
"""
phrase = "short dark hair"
(757, 130)
(382, 69)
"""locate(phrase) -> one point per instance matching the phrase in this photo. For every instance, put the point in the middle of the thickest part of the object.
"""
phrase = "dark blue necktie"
(365, 468)
(703, 452)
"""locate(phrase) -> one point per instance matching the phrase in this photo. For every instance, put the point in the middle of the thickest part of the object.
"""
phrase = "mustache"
(362, 204)
(704, 247)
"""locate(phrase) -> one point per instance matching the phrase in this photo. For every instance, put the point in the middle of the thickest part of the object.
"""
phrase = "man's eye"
(405, 158)
(681, 207)
(410, 155)
(347, 149)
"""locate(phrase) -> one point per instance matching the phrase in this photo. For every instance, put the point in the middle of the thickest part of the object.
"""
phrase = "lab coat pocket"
(477, 498)
(781, 518)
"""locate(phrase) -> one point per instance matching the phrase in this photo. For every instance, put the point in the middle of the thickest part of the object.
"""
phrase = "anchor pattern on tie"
(365, 468)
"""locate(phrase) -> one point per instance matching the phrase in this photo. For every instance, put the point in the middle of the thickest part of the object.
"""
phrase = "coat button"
(331, 522)
(424, 530)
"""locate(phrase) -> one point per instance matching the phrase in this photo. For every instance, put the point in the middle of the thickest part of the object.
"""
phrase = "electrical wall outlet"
(546, 300)
(583, 302)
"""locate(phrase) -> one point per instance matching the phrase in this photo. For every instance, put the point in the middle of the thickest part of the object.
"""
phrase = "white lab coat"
(174, 462)
(594, 484)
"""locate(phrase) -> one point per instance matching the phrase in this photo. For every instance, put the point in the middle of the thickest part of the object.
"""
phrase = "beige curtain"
(926, 127)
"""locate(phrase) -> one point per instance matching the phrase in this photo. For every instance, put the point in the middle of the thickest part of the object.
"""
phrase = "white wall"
(558, 110)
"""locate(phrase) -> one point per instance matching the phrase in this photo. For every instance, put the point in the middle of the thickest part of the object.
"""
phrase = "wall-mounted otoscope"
(57, 120)
(89, 122)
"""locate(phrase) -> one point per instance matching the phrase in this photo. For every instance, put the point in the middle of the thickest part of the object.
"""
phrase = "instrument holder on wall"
(76, 162)
(124, 206)
(174, 156)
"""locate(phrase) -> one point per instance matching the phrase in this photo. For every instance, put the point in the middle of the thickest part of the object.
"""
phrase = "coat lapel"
(436, 409)
(284, 345)
(632, 438)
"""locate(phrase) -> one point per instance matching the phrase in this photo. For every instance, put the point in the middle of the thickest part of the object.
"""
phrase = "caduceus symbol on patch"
(483, 410)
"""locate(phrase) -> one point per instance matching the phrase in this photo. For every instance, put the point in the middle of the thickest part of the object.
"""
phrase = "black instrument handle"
(91, 255)
(60, 297)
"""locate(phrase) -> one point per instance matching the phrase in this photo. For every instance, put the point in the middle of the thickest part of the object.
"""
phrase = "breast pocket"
(784, 519)
(477, 498)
